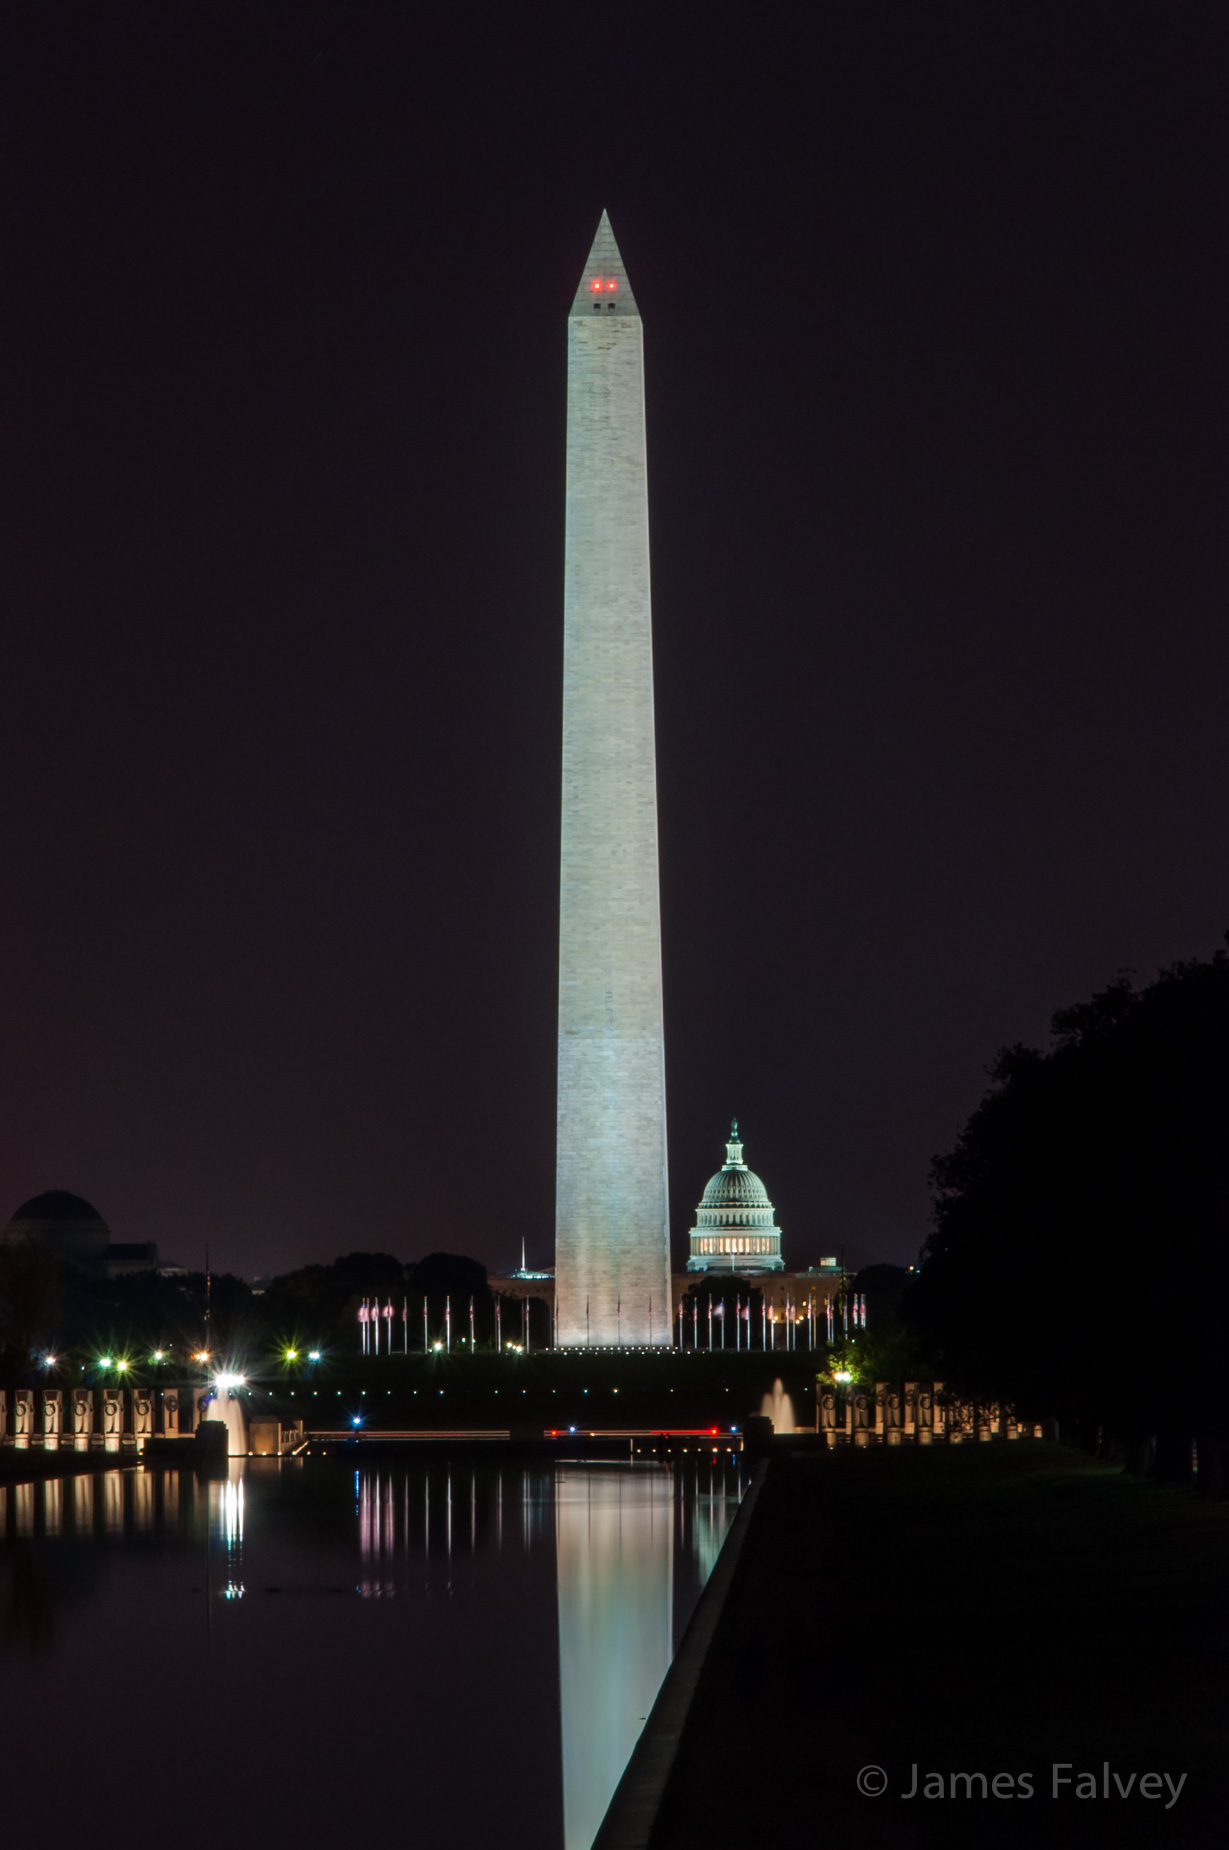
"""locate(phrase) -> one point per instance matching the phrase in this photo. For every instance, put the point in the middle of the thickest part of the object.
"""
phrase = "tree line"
(1079, 1259)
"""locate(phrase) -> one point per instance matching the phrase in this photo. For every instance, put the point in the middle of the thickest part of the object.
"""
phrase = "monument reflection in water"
(614, 1549)
(620, 1609)
(470, 1650)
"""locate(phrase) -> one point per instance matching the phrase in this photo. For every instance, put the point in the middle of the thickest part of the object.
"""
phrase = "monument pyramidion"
(612, 1257)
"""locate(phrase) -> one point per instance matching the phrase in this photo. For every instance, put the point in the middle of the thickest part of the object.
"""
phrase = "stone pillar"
(53, 1418)
(881, 1411)
(861, 1417)
(894, 1416)
(910, 1412)
(82, 1410)
(960, 1428)
(112, 1418)
(827, 1415)
(142, 1416)
(938, 1403)
(4, 1416)
(168, 1413)
(23, 1418)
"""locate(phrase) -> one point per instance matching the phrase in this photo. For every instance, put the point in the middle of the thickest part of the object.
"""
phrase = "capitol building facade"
(735, 1228)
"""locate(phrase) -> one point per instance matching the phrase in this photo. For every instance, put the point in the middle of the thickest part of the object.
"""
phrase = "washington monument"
(612, 1252)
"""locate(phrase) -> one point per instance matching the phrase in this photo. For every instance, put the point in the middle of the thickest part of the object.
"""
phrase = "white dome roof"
(734, 1221)
(734, 1185)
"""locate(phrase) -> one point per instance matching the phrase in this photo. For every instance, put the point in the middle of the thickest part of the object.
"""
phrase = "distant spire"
(604, 288)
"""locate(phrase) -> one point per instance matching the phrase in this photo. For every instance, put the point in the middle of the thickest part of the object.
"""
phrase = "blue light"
(357, 1420)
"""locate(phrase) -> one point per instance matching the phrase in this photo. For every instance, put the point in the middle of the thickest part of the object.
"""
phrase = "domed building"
(73, 1230)
(735, 1230)
(77, 1235)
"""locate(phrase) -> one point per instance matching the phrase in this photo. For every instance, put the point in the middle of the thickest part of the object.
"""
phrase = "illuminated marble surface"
(612, 1259)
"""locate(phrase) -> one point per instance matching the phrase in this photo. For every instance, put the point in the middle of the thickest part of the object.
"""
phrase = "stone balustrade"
(913, 1413)
(105, 1419)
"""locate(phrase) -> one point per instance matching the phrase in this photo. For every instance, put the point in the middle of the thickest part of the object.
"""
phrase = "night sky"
(935, 321)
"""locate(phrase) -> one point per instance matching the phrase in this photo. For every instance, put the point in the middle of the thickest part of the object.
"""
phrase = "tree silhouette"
(1079, 1262)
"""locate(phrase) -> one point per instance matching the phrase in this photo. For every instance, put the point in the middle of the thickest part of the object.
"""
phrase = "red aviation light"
(596, 283)
(612, 284)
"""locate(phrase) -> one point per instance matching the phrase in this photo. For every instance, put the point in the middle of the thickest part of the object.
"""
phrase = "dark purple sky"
(935, 320)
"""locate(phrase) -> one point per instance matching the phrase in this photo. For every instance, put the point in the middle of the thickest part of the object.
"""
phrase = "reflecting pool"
(304, 1652)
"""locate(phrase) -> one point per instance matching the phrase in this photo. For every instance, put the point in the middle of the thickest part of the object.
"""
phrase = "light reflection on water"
(226, 1525)
(614, 1566)
(525, 1614)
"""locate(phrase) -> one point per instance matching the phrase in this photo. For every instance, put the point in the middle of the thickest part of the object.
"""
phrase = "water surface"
(306, 1651)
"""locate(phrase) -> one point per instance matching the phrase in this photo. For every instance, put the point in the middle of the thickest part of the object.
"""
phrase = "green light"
(292, 1355)
(104, 1361)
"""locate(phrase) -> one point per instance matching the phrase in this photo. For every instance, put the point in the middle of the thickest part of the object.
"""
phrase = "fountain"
(227, 1407)
(779, 1408)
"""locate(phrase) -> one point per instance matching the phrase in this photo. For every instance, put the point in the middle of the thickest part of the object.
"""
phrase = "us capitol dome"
(735, 1230)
